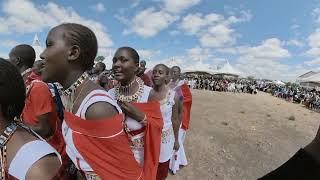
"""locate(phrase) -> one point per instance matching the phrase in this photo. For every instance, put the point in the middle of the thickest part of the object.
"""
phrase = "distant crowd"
(222, 85)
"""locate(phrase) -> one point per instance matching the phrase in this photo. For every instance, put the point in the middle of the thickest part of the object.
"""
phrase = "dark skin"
(98, 69)
(159, 92)
(142, 68)
(37, 66)
(62, 64)
(125, 68)
(42, 128)
(175, 74)
(45, 168)
(104, 79)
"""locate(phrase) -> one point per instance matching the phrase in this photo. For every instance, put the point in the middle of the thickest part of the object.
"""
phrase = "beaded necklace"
(4, 138)
(26, 72)
(70, 92)
(122, 92)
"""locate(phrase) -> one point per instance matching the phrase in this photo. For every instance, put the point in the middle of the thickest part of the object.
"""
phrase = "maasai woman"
(22, 154)
(184, 93)
(143, 125)
(169, 102)
(93, 124)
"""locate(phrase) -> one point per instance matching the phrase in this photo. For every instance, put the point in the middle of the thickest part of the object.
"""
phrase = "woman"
(169, 102)
(185, 96)
(93, 124)
(143, 117)
(22, 154)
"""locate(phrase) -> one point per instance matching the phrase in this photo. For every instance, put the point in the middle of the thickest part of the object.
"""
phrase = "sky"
(270, 39)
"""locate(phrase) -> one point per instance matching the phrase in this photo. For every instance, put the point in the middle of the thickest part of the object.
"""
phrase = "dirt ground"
(243, 136)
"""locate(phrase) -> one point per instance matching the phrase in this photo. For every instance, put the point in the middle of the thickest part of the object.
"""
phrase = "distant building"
(309, 80)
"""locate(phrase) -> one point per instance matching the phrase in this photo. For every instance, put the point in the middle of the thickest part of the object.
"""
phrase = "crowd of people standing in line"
(222, 85)
(81, 122)
(58, 122)
(293, 93)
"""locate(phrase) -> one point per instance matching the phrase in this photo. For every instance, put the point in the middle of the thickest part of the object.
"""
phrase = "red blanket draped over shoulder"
(187, 102)
(105, 147)
(152, 137)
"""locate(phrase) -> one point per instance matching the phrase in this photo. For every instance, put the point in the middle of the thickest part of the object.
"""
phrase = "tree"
(99, 59)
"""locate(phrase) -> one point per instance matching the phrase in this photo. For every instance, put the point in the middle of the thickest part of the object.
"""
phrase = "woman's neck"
(127, 81)
(71, 77)
(159, 88)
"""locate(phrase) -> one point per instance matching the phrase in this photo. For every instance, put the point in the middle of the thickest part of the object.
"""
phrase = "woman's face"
(124, 66)
(55, 56)
(159, 75)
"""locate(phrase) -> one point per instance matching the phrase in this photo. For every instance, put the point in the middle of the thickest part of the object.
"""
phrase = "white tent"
(280, 83)
(228, 70)
(37, 47)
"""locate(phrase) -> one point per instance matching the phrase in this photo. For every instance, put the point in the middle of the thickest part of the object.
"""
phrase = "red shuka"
(152, 138)
(187, 102)
(105, 147)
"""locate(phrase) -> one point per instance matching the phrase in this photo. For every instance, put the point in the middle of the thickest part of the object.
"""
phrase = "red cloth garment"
(105, 147)
(163, 170)
(152, 138)
(31, 77)
(187, 102)
(39, 101)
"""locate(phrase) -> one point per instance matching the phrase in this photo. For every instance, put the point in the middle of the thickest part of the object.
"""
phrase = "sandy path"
(243, 136)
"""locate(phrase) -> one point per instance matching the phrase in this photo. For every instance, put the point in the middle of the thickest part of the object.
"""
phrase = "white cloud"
(228, 50)
(313, 62)
(213, 30)
(262, 61)
(294, 27)
(314, 44)
(135, 3)
(41, 17)
(218, 36)
(150, 22)
(177, 6)
(316, 15)
(8, 43)
(269, 49)
(197, 54)
(294, 42)
(148, 54)
(193, 23)
(99, 7)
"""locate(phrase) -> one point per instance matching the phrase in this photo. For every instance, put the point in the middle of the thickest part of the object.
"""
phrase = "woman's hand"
(176, 146)
(132, 111)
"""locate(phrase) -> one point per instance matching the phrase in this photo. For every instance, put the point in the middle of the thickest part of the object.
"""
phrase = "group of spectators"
(222, 85)
(293, 93)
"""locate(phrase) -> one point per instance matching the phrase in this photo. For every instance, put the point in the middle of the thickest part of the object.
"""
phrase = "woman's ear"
(73, 53)
(136, 68)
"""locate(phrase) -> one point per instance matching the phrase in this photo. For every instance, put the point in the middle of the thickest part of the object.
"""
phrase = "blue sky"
(267, 39)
